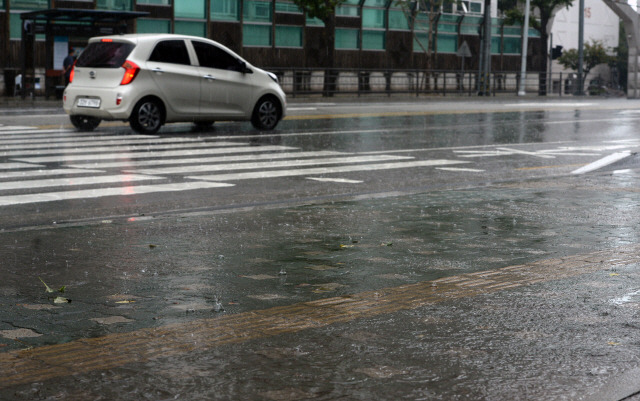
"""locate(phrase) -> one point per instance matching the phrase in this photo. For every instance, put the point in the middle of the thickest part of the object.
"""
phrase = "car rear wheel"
(84, 123)
(266, 114)
(147, 117)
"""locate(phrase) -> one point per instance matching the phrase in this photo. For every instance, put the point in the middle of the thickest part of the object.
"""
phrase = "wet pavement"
(524, 287)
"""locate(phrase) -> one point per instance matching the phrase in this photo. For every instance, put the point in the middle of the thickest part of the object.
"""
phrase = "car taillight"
(73, 72)
(130, 72)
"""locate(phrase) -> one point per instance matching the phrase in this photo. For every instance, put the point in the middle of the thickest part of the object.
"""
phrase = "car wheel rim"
(149, 115)
(268, 113)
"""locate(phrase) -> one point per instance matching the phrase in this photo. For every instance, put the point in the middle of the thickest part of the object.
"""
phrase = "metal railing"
(329, 82)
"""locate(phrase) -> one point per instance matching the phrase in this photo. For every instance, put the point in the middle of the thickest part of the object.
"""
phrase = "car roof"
(142, 37)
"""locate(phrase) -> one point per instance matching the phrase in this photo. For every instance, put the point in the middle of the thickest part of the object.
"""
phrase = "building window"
(346, 39)
(114, 5)
(470, 25)
(314, 22)
(512, 45)
(257, 11)
(225, 10)
(373, 40)
(29, 4)
(398, 20)
(447, 43)
(155, 2)
(420, 42)
(373, 18)
(288, 36)
(350, 8)
(153, 26)
(15, 26)
(190, 9)
(287, 7)
(194, 28)
(256, 35)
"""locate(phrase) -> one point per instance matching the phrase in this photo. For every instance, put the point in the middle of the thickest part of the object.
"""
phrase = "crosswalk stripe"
(214, 159)
(39, 173)
(85, 141)
(18, 165)
(75, 181)
(269, 164)
(152, 154)
(132, 148)
(102, 192)
(324, 170)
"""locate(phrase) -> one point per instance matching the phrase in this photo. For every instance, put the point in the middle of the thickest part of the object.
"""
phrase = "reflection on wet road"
(404, 257)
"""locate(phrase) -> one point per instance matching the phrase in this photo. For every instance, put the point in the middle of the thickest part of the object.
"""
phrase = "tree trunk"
(330, 76)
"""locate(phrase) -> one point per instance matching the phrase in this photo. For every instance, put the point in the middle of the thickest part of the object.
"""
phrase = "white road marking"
(204, 160)
(17, 165)
(269, 164)
(86, 141)
(152, 154)
(121, 149)
(325, 170)
(542, 104)
(45, 172)
(102, 192)
(337, 180)
(524, 152)
(605, 161)
(75, 181)
(470, 170)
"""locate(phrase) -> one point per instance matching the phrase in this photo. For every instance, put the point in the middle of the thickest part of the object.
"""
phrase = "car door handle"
(160, 70)
(209, 77)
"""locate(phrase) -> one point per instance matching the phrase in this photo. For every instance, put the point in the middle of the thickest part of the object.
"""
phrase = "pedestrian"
(67, 65)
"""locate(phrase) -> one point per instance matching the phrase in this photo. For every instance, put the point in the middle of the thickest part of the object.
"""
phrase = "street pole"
(486, 50)
(581, 49)
(525, 41)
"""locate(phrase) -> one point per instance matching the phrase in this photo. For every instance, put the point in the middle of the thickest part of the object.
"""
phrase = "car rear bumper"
(98, 102)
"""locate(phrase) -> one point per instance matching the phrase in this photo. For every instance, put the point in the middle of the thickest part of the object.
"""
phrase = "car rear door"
(177, 80)
(226, 89)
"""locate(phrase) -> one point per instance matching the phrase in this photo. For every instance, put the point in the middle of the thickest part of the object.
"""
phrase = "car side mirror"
(244, 69)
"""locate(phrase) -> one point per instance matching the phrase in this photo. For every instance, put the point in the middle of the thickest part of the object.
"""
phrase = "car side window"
(171, 51)
(214, 57)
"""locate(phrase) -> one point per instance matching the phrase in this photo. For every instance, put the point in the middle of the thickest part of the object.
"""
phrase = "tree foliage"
(594, 53)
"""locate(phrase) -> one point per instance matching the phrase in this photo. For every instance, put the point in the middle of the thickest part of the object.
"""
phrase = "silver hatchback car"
(152, 79)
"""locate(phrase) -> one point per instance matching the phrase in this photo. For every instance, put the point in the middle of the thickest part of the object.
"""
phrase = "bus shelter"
(63, 28)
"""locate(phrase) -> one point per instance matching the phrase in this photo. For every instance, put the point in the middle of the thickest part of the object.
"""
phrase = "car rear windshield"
(105, 55)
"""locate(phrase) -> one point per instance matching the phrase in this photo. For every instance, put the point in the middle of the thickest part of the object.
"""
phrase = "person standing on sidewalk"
(67, 65)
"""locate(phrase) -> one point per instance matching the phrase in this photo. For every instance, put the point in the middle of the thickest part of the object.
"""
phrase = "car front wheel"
(147, 117)
(84, 123)
(266, 114)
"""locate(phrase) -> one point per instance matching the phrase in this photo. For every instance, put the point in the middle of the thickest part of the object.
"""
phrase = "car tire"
(147, 117)
(266, 113)
(84, 123)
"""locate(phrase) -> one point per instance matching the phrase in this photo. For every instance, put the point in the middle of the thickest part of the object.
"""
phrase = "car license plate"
(88, 102)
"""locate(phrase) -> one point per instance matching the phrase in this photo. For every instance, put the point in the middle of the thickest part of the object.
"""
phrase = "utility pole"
(485, 67)
(581, 49)
(525, 42)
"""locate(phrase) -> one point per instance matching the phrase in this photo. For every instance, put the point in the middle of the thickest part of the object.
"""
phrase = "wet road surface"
(494, 273)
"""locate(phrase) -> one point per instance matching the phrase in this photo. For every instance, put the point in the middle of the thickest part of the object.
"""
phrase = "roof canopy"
(75, 15)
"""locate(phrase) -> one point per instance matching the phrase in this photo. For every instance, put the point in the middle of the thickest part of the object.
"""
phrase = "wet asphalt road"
(392, 250)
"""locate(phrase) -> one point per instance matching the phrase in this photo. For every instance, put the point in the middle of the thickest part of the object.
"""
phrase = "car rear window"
(105, 55)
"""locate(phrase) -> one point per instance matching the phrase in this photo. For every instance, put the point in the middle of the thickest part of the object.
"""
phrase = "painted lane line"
(214, 159)
(605, 161)
(133, 148)
(99, 193)
(267, 164)
(125, 179)
(549, 104)
(41, 173)
(470, 170)
(153, 154)
(15, 127)
(336, 180)
(524, 152)
(325, 170)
